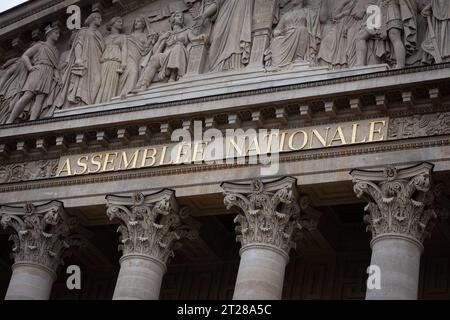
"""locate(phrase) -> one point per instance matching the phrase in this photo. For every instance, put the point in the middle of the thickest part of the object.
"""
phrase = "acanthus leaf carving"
(149, 225)
(269, 213)
(399, 201)
(41, 234)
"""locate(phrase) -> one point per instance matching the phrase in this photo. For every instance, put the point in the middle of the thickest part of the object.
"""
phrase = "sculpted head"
(115, 23)
(298, 3)
(176, 19)
(139, 23)
(94, 19)
(52, 33)
(190, 3)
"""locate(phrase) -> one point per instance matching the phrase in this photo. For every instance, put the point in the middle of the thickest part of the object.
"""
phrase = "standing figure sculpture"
(397, 29)
(113, 60)
(170, 56)
(333, 48)
(231, 36)
(82, 78)
(41, 61)
(437, 42)
(139, 45)
(296, 37)
(11, 83)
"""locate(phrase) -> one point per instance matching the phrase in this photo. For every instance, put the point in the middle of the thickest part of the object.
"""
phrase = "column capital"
(41, 234)
(270, 213)
(151, 225)
(400, 201)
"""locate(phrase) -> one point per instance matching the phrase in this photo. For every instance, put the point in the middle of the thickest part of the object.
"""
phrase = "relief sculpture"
(231, 36)
(296, 37)
(81, 81)
(170, 55)
(139, 44)
(437, 42)
(172, 39)
(113, 60)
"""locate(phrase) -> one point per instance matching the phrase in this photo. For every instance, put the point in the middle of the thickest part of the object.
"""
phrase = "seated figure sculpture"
(296, 37)
(170, 54)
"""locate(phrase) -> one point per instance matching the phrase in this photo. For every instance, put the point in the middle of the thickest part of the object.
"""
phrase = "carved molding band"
(419, 126)
(42, 234)
(35, 170)
(400, 201)
(270, 213)
(151, 225)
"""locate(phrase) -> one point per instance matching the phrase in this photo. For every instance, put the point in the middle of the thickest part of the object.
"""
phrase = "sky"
(8, 4)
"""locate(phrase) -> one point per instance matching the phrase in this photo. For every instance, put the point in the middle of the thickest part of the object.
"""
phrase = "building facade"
(225, 149)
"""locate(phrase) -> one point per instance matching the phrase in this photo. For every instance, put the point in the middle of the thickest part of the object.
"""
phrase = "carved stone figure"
(398, 30)
(169, 61)
(334, 45)
(296, 37)
(11, 83)
(194, 14)
(113, 60)
(437, 42)
(356, 24)
(49, 108)
(139, 44)
(41, 61)
(231, 36)
(82, 79)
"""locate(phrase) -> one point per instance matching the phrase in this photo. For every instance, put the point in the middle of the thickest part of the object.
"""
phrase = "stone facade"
(109, 127)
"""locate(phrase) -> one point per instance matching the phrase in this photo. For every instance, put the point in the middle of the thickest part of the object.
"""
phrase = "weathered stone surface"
(400, 201)
(150, 225)
(270, 213)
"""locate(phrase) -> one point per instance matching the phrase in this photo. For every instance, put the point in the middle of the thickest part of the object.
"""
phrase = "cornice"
(320, 83)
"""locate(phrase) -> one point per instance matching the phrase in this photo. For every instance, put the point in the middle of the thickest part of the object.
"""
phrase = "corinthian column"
(268, 223)
(41, 236)
(151, 227)
(400, 217)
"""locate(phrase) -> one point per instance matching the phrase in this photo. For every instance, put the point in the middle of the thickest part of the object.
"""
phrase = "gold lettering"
(97, 163)
(127, 162)
(339, 132)
(198, 149)
(65, 168)
(282, 141)
(181, 153)
(163, 157)
(235, 146)
(269, 137)
(374, 130)
(82, 164)
(355, 127)
(291, 140)
(254, 146)
(109, 161)
(146, 157)
(319, 137)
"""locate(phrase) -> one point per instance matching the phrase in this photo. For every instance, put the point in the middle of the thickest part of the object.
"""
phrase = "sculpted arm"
(124, 46)
(323, 14)
(78, 52)
(28, 55)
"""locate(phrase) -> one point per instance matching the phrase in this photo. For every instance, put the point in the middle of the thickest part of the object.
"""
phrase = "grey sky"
(8, 4)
